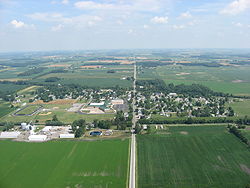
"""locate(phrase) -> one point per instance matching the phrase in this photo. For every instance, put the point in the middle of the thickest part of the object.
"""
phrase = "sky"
(44, 25)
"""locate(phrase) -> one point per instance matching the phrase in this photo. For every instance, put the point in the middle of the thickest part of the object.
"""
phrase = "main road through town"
(132, 174)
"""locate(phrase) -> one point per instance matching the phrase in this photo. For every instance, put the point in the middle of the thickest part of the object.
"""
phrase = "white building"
(37, 138)
(67, 136)
(97, 104)
(9, 134)
(117, 101)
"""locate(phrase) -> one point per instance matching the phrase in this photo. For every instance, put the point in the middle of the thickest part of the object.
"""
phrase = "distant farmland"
(60, 164)
(197, 157)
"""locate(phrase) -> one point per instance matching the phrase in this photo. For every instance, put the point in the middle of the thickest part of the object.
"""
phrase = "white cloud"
(178, 27)
(65, 2)
(57, 27)
(17, 24)
(130, 31)
(160, 20)
(81, 20)
(238, 24)
(145, 26)
(119, 22)
(122, 5)
(185, 15)
(93, 5)
(236, 7)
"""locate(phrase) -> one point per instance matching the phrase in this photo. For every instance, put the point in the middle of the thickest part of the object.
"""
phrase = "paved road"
(132, 175)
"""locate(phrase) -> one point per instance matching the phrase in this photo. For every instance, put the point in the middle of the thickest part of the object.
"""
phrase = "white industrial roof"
(97, 104)
(9, 134)
(67, 136)
(37, 137)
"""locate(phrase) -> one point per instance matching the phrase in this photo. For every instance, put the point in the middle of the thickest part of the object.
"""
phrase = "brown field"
(59, 65)
(58, 101)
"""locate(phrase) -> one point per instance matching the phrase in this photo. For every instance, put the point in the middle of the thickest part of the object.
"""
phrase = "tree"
(138, 129)
(54, 118)
(79, 132)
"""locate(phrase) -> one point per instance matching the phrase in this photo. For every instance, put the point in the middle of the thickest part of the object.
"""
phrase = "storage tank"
(23, 126)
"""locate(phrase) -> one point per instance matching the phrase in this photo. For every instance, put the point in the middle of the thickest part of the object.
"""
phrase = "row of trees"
(194, 90)
(196, 120)
(235, 131)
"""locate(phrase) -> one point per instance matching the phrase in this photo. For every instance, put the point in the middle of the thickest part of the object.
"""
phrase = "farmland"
(60, 111)
(233, 80)
(192, 157)
(64, 164)
(241, 107)
(5, 108)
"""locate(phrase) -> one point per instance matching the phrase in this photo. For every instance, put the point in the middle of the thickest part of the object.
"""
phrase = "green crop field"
(10, 87)
(68, 164)
(233, 80)
(241, 108)
(92, 78)
(28, 109)
(5, 109)
(183, 157)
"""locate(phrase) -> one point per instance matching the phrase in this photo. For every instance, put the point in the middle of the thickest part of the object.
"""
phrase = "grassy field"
(233, 80)
(241, 108)
(58, 164)
(60, 111)
(182, 157)
(28, 110)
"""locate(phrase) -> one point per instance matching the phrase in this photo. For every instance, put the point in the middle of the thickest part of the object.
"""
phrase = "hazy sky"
(111, 24)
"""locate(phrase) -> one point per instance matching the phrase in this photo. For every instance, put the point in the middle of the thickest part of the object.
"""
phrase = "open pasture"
(68, 164)
(193, 156)
(233, 80)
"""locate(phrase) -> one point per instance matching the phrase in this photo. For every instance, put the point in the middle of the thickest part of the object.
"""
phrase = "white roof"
(67, 136)
(9, 134)
(47, 128)
(37, 137)
(97, 104)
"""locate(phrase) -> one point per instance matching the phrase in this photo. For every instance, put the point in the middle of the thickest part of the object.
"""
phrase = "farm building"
(37, 138)
(26, 126)
(9, 134)
(67, 136)
(95, 104)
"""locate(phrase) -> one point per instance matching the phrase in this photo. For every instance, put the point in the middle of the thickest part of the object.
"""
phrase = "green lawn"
(64, 164)
(193, 157)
